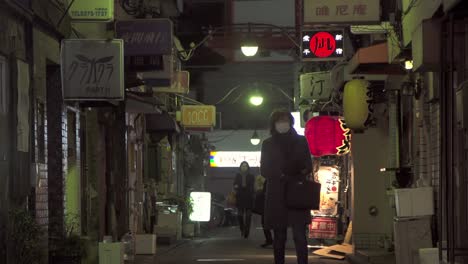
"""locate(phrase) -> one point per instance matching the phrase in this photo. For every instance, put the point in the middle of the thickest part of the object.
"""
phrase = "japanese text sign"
(94, 10)
(329, 178)
(322, 45)
(92, 69)
(145, 36)
(323, 228)
(198, 115)
(341, 11)
(315, 85)
(233, 159)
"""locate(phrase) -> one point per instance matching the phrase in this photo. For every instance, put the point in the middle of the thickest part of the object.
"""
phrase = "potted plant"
(185, 205)
(25, 236)
(71, 248)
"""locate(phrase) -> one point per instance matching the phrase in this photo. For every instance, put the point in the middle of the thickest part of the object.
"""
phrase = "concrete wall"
(370, 153)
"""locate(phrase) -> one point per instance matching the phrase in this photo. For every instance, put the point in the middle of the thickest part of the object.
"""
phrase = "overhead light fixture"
(249, 46)
(409, 64)
(256, 100)
(249, 49)
(255, 140)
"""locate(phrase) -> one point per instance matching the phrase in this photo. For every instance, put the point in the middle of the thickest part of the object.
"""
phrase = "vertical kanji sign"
(316, 85)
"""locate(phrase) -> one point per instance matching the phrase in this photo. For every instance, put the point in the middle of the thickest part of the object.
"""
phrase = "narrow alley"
(233, 131)
(224, 246)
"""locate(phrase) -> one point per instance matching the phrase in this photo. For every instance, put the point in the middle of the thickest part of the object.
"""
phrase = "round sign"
(323, 44)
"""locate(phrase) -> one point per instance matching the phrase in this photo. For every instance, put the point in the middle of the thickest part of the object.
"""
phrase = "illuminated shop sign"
(341, 11)
(201, 206)
(91, 10)
(322, 45)
(232, 159)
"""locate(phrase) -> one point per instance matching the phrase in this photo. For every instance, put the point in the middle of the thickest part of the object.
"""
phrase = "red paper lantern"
(327, 135)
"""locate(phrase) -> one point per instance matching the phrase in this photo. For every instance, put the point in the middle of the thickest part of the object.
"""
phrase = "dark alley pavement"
(225, 246)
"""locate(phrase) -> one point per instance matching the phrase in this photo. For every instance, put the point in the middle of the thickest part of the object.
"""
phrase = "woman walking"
(244, 188)
(285, 156)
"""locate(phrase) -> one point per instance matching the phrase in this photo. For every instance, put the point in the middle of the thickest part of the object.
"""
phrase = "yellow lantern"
(355, 104)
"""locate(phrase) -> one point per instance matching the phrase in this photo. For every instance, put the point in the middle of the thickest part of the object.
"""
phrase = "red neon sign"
(323, 44)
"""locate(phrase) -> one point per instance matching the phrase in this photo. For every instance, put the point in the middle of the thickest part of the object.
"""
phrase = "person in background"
(259, 208)
(244, 188)
(285, 155)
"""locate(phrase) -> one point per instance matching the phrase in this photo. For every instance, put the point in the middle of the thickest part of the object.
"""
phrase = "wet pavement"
(223, 246)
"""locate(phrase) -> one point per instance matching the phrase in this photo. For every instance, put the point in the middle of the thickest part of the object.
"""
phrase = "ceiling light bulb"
(409, 64)
(249, 51)
(256, 100)
(255, 140)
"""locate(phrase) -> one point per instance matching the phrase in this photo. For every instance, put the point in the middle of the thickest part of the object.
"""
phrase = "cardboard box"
(145, 244)
(111, 253)
(414, 202)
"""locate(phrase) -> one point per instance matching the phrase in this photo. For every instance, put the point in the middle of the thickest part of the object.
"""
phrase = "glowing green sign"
(95, 10)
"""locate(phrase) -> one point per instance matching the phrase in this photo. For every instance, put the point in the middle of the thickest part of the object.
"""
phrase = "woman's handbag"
(231, 199)
(303, 194)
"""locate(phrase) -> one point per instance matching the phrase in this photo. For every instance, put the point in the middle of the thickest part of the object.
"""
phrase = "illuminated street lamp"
(256, 100)
(249, 47)
(255, 140)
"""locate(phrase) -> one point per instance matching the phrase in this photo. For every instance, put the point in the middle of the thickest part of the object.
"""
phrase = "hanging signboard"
(146, 36)
(341, 11)
(233, 159)
(92, 69)
(200, 116)
(91, 10)
(180, 84)
(322, 45)
(315, 85)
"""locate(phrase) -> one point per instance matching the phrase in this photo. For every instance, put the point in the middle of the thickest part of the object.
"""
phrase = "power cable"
(65, 13)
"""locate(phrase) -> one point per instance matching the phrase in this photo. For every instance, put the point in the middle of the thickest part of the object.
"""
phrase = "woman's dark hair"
(246, 163)
(278, 115)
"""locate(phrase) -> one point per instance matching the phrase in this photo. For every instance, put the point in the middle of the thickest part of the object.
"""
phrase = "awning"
(156, 123)
(142, 105)
(373, 60)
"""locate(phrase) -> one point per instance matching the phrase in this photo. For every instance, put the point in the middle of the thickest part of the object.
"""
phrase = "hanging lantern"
(328, 135)
(356, 105)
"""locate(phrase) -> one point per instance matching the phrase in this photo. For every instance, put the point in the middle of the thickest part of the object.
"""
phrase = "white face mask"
(282, 127)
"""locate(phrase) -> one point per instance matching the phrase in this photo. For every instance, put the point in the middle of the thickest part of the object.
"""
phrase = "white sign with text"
(315, 85)
(341, 11)
(233, 159)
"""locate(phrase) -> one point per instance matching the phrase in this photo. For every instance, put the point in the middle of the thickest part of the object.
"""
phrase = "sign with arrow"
(316, 85)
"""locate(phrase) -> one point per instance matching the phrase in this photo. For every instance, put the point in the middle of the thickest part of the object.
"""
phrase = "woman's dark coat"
(289, 154)
(244, 195)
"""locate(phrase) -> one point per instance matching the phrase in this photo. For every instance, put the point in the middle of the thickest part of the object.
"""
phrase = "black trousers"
(266, 232)
(300, 241)
(245, 218)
